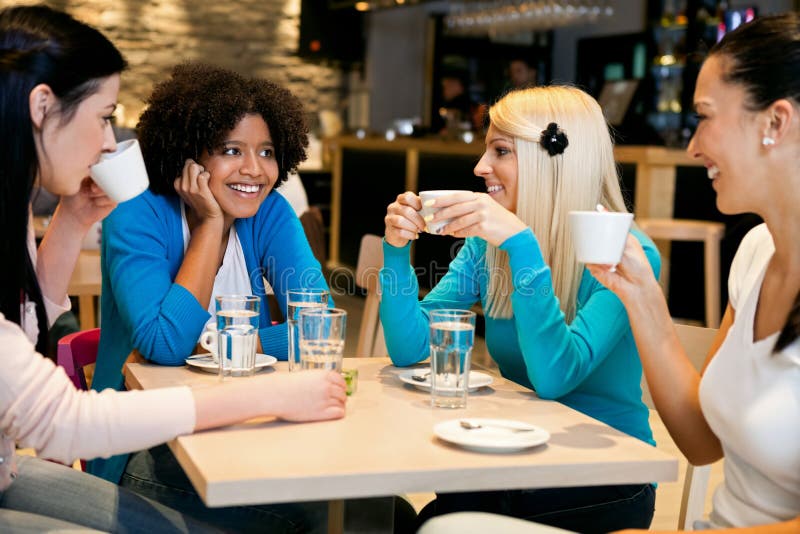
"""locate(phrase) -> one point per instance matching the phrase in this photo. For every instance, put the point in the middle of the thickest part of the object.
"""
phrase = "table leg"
(336, 517)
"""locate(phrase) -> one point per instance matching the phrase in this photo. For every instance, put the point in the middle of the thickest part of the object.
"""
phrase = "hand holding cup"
(122, 173)
(403, 222)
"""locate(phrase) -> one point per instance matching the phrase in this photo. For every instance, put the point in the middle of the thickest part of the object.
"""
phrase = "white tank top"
(750, 397)
(232, 277)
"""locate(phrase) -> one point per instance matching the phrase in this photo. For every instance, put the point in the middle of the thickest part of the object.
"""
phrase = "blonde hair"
(549, 187)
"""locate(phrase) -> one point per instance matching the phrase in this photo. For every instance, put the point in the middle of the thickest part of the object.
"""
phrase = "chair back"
(696, 342)
(314, 228)
(370, 262)
(706, 232)
(76, 351)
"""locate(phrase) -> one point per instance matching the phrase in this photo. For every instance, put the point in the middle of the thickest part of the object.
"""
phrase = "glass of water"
(299, 299)
(452, 334)
(322, 332)
(237, 334)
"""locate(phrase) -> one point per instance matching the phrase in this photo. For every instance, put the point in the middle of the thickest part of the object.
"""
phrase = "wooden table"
(385, 445)
(86, 283)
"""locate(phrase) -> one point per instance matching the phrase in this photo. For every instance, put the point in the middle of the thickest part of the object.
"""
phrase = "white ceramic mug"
(599, 236)
(208, 340)
(122, 173)
(237, 354)
(425, 197)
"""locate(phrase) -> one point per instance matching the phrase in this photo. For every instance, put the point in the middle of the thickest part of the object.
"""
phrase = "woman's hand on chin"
(192, 187)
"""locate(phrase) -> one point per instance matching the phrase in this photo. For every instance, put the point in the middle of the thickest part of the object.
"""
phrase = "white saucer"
(476, 379)
(206, 363)
(499, 438)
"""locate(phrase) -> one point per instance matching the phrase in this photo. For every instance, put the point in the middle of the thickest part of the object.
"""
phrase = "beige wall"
(254, 37)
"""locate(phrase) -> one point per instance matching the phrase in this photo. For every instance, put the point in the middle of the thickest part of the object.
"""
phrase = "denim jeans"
(584, 509)
(155, 473)
(49, 496)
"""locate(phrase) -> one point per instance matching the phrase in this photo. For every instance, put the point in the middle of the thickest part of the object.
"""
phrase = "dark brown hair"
(38, 45)
(763, 57)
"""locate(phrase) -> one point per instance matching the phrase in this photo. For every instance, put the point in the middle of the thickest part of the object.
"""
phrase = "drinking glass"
(322, 332)
(299, 299)
(452, 334)
(237, 334)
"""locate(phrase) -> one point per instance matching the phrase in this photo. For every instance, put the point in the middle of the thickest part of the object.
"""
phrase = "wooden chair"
(707, 232)
(370, 261)
(696, 342)
(314, 228)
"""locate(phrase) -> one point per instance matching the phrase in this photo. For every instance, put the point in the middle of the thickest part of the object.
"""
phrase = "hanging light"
(503, 17)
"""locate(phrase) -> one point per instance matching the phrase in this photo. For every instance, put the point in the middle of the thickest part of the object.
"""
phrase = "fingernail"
(416, 236)
(429, 203)
(428, 218)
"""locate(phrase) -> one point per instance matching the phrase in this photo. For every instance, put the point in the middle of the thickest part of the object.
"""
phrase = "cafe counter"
(367, 174)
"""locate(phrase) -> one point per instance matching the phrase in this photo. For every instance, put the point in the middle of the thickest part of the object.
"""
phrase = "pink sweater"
(40, 408)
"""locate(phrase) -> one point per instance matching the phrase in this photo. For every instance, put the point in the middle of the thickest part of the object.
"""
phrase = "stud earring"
(767, 141)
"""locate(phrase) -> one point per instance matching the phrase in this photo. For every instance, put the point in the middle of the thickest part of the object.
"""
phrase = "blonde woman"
(550, 325)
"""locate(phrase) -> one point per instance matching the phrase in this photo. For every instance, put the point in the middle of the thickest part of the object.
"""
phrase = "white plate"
(476, 379)
(495, 435)
(207, 363)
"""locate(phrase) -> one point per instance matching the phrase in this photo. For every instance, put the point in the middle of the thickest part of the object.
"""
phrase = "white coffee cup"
(599, 236)
(208, 340)
(426, 197)
(122, 174)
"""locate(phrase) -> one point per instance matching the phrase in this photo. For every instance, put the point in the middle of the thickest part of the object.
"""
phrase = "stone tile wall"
(253, 37)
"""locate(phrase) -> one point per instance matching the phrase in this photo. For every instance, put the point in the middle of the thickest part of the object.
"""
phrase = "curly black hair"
(194, 110)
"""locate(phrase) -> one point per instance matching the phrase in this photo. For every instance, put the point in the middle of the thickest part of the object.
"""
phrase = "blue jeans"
(584, 509)
(156, 474)
(50, 496)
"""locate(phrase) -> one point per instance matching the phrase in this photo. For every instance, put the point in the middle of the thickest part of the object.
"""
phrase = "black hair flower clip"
(553, 139)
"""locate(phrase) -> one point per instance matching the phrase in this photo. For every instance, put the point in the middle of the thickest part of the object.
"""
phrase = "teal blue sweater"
(590, 365)
(144, 309)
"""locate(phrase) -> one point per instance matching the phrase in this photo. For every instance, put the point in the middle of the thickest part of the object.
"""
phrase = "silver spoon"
(421, 378)
(473, 426)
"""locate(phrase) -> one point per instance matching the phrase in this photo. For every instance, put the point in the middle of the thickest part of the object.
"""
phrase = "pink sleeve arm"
(40, 408)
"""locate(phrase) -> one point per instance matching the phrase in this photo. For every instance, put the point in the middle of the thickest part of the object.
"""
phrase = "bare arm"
(61, 244)
(202, 259)
(306, 396)
(674, 382)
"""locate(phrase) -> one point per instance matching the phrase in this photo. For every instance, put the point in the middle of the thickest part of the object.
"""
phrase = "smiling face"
(243, 168)
(67, 151)
(498, 168)
(728, 139)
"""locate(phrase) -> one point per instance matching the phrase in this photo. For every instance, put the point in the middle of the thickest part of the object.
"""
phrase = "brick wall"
(253, 37)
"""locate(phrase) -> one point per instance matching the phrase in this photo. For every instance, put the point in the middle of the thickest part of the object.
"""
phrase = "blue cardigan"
(591, 365)
(142, 308)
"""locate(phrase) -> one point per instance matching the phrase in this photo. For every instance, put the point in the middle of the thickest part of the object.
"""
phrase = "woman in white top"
(745, 405)
(59, 79)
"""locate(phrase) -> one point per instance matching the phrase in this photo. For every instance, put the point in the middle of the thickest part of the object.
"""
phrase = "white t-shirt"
(232, 277)
(750, 397)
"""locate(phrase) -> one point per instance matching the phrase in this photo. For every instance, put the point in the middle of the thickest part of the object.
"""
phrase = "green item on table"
(351, 379)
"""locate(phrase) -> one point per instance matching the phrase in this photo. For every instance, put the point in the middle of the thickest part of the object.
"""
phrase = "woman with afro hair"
(216, 145)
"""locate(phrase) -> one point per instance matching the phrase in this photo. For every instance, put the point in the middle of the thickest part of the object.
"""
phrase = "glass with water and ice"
(296, 300)
(322, 334)
(237, 334)
(452, 334)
